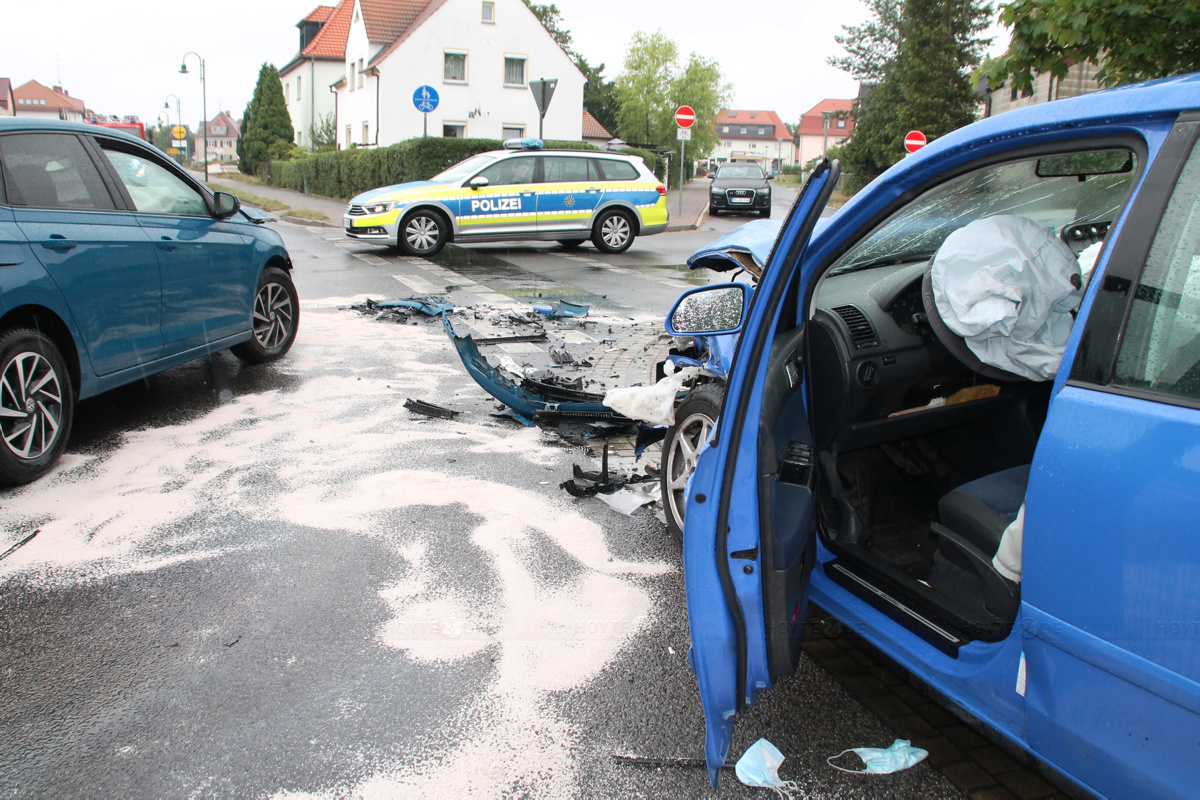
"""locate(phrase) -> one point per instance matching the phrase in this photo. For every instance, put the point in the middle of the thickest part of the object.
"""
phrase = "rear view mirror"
(224, 205)
(1107, 162)
(478, 182)
(708, 310)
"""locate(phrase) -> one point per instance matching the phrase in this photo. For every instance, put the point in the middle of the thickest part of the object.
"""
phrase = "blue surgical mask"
(901, 755)
(759, 766)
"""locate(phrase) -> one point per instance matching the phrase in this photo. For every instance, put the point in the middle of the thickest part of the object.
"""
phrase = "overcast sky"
(126, 60)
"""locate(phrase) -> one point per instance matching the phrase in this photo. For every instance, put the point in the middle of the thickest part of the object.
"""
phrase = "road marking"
(418, 285)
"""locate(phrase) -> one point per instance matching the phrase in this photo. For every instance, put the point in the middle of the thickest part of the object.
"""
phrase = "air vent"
(861, 332)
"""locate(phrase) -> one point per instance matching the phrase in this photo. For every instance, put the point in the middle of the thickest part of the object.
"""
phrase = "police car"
(519, 193)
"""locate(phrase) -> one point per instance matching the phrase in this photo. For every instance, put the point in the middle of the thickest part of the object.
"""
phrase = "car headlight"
(377, 208)
(765, 191)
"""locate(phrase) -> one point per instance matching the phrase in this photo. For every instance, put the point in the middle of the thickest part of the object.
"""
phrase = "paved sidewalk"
(695, 206)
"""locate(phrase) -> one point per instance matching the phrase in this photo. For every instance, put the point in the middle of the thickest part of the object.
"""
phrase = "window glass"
(918, 230)
(513, 132)
(618, 170)
(464, 168)
(564, 168)
(1160, 350)
(489, 12)
(455, 67)
(51, 170)
(510, 171)
(454, 130)
(740, 172)
(155, 190)
(514, 71)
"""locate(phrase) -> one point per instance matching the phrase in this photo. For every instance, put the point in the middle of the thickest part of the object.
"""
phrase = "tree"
(652, 85)
(1130, 41)
(928, 84)
(871, 47)
(322, 134)
(244, 165)
(268, 119)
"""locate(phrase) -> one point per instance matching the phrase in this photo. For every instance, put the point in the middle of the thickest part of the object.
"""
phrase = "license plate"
(740, 199)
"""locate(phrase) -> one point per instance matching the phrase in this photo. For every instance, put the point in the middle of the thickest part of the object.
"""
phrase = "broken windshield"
(918, 230)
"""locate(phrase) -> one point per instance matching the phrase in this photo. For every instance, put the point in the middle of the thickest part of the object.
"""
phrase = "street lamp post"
(183, 70)
(178, 113)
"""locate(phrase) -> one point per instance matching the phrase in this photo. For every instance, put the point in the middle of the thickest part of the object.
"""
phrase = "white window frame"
(512, 126)
(524, 59)
(360, 73)
(466, 57)
(488, 12)
(298, 77)
(456, 124)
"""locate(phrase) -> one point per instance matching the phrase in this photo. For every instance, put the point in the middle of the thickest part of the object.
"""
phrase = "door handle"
(58, 242)
(167, 243)
(594, 190)
(526, 194)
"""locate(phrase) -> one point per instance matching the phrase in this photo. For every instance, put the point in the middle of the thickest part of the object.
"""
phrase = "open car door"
(748, 541)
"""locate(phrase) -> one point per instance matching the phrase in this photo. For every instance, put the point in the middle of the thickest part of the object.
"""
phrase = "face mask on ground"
(759, 766)
(901, 755)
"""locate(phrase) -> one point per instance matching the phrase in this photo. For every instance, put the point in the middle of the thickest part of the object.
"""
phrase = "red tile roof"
(592, 129)
(812, 124)
(320, 14)
(233, 130)
(330, 41)
(427, 10)
(749, 118)
(387, 19)
(55, 97)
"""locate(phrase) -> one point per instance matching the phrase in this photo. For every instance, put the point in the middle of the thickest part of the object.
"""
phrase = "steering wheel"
(955, 343)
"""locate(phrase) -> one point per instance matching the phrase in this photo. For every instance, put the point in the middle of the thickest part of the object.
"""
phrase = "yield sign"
(685, 116)
(914, 141)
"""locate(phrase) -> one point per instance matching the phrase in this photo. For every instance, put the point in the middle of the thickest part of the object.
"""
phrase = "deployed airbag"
(1007, 286)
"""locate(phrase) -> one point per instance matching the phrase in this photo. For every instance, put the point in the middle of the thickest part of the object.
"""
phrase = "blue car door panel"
(100, 258)
(734, 580)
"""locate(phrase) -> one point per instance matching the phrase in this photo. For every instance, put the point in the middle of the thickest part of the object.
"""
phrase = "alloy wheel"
(681, 461)
(615, 230)
(421, 232)
(31, 405)
(273, 315)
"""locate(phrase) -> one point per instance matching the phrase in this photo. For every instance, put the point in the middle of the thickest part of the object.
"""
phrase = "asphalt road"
(273, 580)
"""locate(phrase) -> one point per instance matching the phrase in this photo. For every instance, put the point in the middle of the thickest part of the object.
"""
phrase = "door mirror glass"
(479, 181)
(225, 205)
(708, 310)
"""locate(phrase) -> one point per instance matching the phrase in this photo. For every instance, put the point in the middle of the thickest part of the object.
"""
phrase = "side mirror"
(478, 182)
(225, 205)
(709, 310)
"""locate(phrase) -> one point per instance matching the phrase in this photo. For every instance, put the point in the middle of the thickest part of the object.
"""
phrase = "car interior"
(923, 450)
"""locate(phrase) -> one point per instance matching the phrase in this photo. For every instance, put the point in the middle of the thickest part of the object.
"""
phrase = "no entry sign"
(914, 141)
(685, 116)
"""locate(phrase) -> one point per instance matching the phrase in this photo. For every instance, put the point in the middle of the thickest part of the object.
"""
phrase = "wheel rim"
(615, 230)
(681, 461)
(31, 405)
(421, 232)
(273, 315)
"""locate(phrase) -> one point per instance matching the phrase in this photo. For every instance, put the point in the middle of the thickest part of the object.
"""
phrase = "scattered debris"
(563, 308)
(561, 355)
(648, 761)
(20, 544)
(654, 404)
(429, 409)
(430, 306)
(628, 500)
(882, 761)
(540, 336)
(759, 766)
(590, 484)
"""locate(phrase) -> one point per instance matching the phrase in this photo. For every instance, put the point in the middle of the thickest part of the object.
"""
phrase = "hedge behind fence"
(345, 173)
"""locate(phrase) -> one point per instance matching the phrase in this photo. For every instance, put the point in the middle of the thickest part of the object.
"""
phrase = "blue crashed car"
(873, 455)
(116, 264)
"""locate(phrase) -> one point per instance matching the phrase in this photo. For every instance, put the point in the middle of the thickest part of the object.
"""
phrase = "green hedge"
(345, 173)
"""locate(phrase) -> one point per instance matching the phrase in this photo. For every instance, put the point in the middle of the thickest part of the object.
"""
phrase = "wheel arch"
(634, 217)
(47, 322)
(448, 217)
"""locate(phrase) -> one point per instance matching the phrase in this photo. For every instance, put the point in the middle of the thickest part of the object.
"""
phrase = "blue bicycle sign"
(425, 98)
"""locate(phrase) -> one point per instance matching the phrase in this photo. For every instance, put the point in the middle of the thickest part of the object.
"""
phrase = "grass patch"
(265, 203)
(308, 213)
(242, 178)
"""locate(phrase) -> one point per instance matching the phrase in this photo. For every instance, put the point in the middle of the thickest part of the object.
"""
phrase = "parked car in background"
(964, 419)
(116, 264)
(740, 187)
(521, 193)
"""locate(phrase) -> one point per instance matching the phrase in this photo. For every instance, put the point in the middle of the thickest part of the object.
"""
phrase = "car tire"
(35, 397)
(694, 421)
(571, 244)
(422, 233)
(274, 319)
(613, 232)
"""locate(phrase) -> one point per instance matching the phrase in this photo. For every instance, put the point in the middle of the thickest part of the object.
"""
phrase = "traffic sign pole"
(685, 118)
(426, 99)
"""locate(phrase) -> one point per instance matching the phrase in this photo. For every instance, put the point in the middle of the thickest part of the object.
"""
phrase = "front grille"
(861, 332)
(356, 211)
(740, 195)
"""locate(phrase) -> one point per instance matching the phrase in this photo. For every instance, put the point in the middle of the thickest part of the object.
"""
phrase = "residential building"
(827, 123)
(223, 132)
(594, 132)
(478, 55)
(319, 63)
(43, 102)
(8, 103)
(754, 136)
(1080, 79)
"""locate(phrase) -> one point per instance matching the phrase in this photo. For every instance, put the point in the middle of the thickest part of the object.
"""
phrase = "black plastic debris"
(561, 355)
(540, 336)
(649, 761)
(429, 409)
(590, 484)
(19, 544)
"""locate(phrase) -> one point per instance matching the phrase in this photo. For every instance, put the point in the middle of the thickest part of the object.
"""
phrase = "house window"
(366, 132)
(455, 67)
(761, 131)
(724, 129)
(360, 73)
(842, 124)
(287, 90)
(297, 87)
(513, 132)
(350, 75)
(514, 71)
(489, 13)
(347, 136)
(454, 130)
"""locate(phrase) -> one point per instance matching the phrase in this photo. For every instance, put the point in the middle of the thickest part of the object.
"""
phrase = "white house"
(829, 122)
(35, 100)
(320, 62)
(478, 55)
(752, 135)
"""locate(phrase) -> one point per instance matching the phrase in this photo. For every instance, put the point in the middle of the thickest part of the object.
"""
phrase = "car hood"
(739, 183)
(745, 247)
(400, 191)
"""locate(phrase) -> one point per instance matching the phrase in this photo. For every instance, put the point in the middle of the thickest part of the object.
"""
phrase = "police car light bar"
(532, 143)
